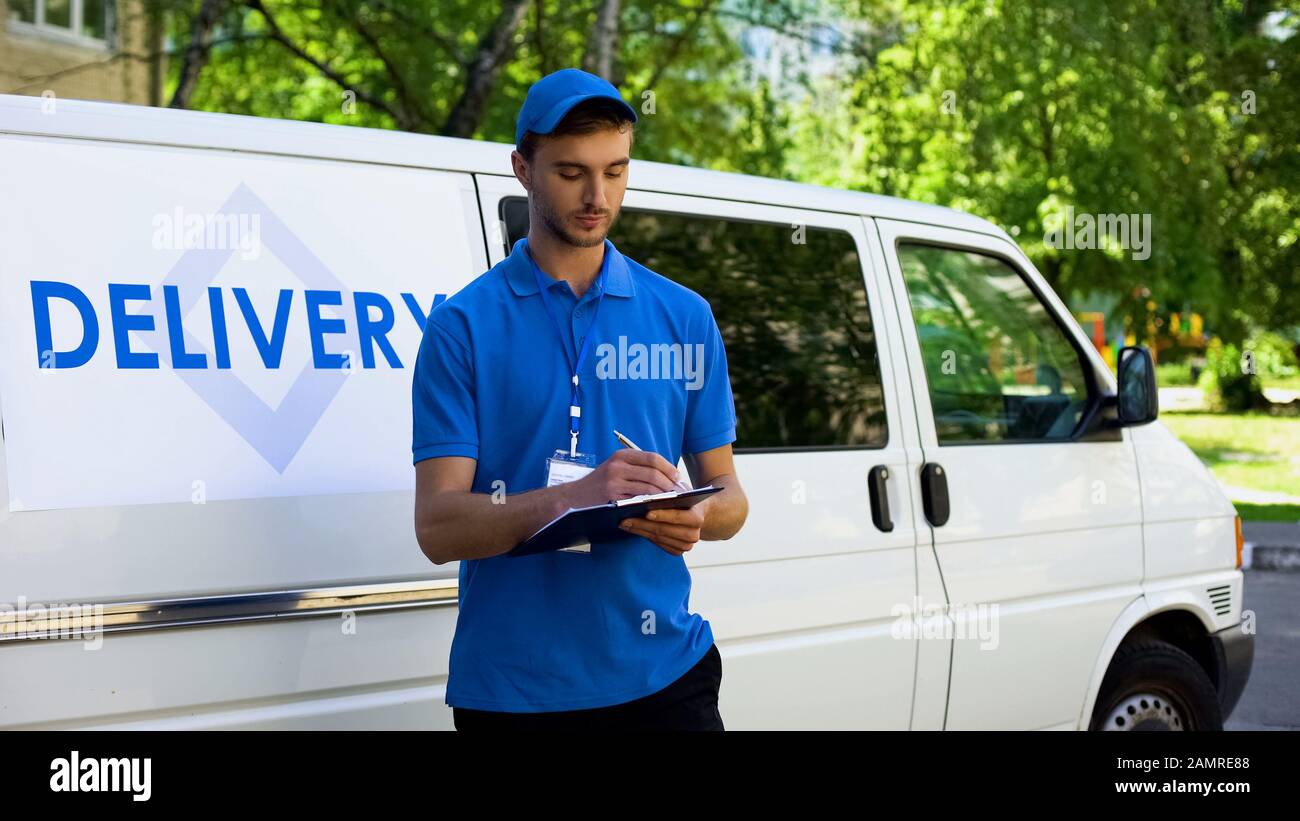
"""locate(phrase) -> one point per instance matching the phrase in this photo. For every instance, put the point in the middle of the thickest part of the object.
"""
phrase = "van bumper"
(1234, 654)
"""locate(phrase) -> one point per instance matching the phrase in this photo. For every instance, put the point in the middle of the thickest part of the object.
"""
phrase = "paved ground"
(1277, 534)
(1271, 700)
(1271, 546)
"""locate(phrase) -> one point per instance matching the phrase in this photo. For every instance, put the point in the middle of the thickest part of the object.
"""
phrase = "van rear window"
(792, 307)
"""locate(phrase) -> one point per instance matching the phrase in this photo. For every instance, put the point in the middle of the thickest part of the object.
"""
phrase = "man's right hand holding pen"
(624, 474)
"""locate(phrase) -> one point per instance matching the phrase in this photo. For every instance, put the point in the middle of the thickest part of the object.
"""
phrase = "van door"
(1037, 526)
(805, 600)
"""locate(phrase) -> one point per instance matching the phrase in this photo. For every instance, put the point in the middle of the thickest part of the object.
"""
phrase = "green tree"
(1014, 110)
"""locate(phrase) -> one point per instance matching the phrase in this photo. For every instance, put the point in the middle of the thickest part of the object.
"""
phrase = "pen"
(629, 443)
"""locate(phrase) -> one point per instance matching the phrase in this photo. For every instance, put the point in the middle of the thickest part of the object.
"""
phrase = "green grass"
(1172, 374)
(1253, 451)
(1179, 374)
(1268, 513)
(1291, 383)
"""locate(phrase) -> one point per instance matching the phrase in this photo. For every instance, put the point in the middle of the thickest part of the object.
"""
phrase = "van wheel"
(1153, 685)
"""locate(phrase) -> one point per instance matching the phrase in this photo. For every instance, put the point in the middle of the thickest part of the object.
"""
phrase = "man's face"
(577, 184)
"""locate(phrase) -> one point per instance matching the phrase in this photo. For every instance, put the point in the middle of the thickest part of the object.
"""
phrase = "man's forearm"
(458, 524)
(726, 511)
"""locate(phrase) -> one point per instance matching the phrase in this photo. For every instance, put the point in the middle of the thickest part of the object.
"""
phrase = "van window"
(998, 366)
(792, 308)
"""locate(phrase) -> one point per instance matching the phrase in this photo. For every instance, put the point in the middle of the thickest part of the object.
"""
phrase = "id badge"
(561, 468)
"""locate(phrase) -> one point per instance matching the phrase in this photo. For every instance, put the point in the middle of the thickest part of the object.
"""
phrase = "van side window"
(998, 366)
(792, 307)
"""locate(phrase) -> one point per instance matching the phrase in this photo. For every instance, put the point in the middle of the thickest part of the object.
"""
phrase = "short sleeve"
(710, 408)
(443, 418)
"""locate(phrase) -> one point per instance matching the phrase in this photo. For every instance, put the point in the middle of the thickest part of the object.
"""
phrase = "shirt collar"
(520, 272)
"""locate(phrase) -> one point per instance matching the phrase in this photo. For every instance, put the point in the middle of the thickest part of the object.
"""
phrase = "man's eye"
(570, 176)
(614, 176)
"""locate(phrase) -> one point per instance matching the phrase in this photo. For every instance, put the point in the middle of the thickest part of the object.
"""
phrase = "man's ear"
(522, 172)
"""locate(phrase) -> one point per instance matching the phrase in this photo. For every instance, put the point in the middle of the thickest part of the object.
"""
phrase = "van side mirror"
(1137, 400)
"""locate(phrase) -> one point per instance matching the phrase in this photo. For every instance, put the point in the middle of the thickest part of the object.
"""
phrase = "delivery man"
(521, 381)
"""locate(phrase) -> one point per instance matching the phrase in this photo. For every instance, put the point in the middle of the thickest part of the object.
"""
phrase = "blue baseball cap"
(551, 97)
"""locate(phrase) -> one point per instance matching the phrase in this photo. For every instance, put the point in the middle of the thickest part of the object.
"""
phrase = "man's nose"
(596, 194)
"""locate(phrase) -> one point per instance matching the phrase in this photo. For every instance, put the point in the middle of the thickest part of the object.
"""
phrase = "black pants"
(689, 703)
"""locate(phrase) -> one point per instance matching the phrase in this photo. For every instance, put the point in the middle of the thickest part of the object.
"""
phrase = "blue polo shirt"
(562, 630)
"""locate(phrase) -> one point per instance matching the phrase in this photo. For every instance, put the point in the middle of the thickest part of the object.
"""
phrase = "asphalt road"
(1271, 700)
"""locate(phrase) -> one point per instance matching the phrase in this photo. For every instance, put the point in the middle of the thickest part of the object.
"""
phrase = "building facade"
(81, 49)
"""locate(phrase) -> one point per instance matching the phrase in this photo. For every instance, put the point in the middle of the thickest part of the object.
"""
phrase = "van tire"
(1153, 685)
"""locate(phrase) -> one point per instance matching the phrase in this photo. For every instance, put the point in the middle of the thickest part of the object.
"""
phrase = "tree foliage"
(1015, 109)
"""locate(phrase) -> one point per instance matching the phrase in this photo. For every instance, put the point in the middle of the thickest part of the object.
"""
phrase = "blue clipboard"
(599, 523)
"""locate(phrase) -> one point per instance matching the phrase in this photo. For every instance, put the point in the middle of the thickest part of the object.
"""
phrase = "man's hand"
(625, 474)
(718, 517)
(676, 531)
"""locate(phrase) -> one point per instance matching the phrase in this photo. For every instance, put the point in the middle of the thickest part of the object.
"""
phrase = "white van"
(207, 330)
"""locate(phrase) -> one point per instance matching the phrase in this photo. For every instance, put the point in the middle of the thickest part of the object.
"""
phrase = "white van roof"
(236, 132)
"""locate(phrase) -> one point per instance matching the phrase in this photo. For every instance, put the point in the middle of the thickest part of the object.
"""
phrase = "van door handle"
(934, 493)
(878, 490)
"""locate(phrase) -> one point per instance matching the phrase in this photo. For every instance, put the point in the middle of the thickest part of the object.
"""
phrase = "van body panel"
(1189, 520)
(389, 672)
(1176, 486)
(1178, 549)
(1213, 598)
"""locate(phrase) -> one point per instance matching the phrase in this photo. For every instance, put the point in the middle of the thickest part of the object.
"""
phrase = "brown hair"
(586, 117)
